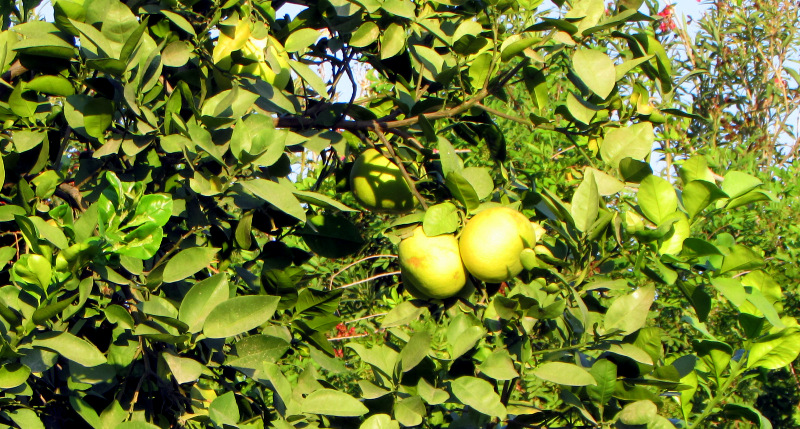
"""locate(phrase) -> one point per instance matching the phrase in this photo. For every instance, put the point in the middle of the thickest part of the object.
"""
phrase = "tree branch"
(309, 123)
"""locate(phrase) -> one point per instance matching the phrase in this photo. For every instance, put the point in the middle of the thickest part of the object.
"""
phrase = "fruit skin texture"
(431, 266)
(491, 243)
(378, 184)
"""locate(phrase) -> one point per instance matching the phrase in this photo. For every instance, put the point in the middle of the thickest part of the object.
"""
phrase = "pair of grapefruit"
(436, 267)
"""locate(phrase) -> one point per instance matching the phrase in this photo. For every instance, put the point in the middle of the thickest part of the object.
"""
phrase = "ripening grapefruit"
(492, 241)
(431, 266)
(378, 184)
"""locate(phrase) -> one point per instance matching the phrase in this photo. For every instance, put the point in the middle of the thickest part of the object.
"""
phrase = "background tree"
(181, 249)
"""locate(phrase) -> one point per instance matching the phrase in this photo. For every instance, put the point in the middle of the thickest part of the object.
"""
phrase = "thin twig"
(346, 267)
(365, 318)
(399, 163)
(503, 115)
(377, 276)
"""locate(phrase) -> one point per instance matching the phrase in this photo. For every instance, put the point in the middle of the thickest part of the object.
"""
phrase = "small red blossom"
(339, 353)
(668, 22)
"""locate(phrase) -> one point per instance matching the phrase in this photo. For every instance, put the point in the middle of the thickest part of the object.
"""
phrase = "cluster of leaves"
(165, 266)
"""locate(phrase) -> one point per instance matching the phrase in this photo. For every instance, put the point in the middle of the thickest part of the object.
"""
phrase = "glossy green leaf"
(629, 312)
(657, 199)
(635, 141)
(441, 219)
(775, 351)
(567, 374)
(187, 262)
(638, 413)
(276, 194)
(698, 194)
(223, 410)
(596, 70)
(332, 403)
(478, 394)
(71, 347)
(239, 314)
(737, 183)
(585, 203)
(184, 370)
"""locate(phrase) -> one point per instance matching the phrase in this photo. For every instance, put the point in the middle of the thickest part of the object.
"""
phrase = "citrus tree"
(180, 247)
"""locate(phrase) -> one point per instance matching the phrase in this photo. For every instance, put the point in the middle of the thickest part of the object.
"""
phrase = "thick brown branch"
(310, 123)
(71, 195)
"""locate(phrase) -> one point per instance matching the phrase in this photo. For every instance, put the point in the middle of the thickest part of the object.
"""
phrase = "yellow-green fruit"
(431, 266)
(378, 184)
(492, 241)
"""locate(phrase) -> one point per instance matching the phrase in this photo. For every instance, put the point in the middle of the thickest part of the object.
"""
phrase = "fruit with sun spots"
(431, 266)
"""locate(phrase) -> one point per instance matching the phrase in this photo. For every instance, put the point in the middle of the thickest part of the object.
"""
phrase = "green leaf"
(441, 219)
(25, 418)
(331, 236)
(775, 351)
(188, 262)
(415, 350)
(184, 370)
(13, 374)
(585, 203)
(52, 85)
(737, 183)
(240, 314)
(379, 421)
(393, 40)
(462, 190)
(741, 258)
(634, 171)
(410, 411)
(635, 141)
(301, 39)
(312, 78)
(71, 347)
(564, 373)
(698, 194)
(402, 314)
(750, 197)
(736, 411)
(331, 402)
(367, 34)
(580, 109)
(638, 413)
(155, 208)
(44, 314)
(480, 179)
(276, 194)
(33, 269)
(657, 199)
(628, 313)
(223, 410)
(596, 70)
(696, 168)
(478, 394)
(499, 366)
(605, 375)
(430, 394)
(251, 352)
(606, 183)
(201, 299)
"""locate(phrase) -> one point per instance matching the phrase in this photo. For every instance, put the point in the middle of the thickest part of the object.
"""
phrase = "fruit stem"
(399, 162)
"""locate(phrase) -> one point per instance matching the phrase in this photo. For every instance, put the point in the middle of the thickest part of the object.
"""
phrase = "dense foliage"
(179, 247)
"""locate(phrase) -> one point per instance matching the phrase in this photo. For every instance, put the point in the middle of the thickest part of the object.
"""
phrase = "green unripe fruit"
(378, 184)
